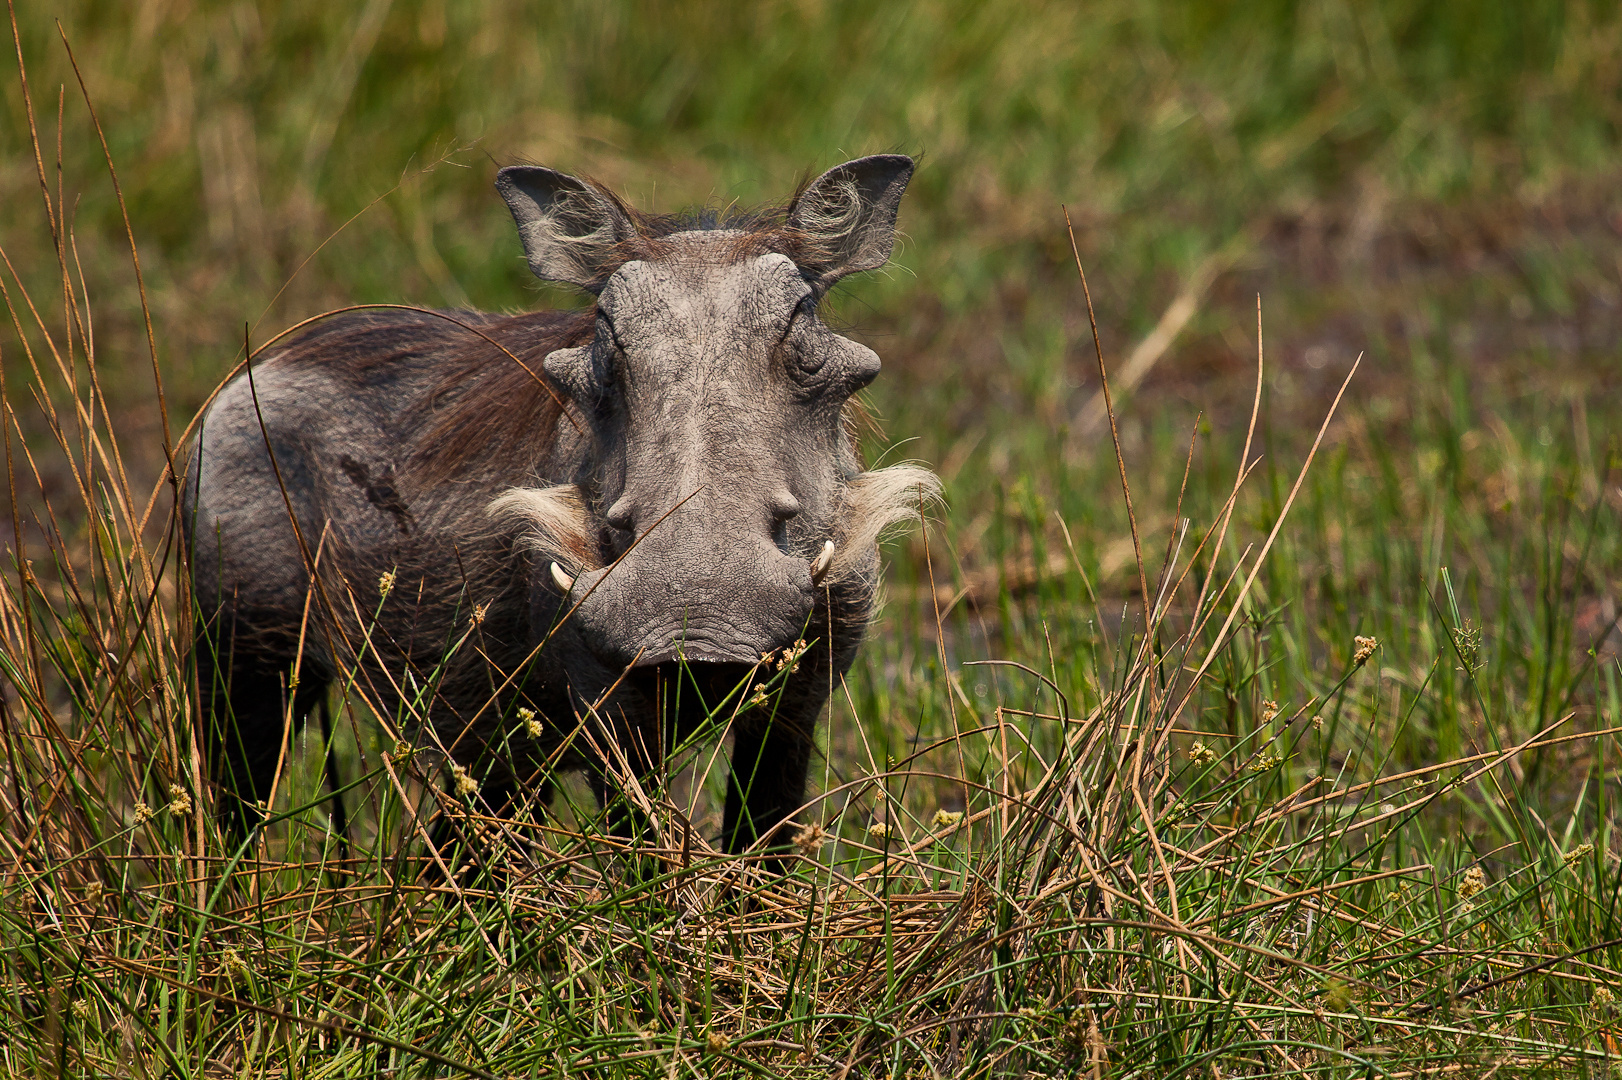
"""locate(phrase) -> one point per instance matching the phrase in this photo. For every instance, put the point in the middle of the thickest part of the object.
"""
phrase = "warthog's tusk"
(819, 568)
(565, 582)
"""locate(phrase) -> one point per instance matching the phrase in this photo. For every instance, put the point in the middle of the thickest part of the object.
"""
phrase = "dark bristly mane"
(487, 403)
(491, 408)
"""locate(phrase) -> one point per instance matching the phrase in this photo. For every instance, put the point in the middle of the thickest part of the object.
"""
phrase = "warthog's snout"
(732, 611)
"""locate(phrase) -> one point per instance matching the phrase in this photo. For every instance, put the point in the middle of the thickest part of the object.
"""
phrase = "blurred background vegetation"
(1334, 151)
(1432, 185)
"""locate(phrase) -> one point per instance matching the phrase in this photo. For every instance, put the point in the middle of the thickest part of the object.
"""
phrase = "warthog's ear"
(571, 229)
(848, 214)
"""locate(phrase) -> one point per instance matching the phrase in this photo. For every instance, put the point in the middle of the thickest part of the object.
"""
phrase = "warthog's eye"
(797, 316)
(807, 354)
(605, 327)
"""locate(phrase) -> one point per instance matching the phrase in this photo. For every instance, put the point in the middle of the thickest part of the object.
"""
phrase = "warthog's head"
(715, 492)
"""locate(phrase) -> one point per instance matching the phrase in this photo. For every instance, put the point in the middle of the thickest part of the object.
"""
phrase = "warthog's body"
(602, 516)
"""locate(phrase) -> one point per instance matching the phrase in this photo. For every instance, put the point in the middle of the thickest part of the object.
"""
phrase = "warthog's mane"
(476, 399)
(492, 406)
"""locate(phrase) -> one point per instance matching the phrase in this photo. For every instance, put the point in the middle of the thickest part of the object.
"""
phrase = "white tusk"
(819, 568)
(565, 582)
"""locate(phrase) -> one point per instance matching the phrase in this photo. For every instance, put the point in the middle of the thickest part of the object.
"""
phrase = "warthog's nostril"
(819, 568)
(565, 582)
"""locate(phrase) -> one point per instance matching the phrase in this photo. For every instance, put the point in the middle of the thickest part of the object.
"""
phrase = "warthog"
(567, 538)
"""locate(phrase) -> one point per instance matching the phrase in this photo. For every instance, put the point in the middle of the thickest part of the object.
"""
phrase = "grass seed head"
(143, 813)
(1472, 882)
(1364, 648)
(810, 839)
(1200, 754)
(465, 785)
(945, 819)
(233, 963)
(1265, 761)
(179, 800)
(1577, 854)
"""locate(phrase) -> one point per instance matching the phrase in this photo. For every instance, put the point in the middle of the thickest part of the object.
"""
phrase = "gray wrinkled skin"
(620, 566)
(731, 471)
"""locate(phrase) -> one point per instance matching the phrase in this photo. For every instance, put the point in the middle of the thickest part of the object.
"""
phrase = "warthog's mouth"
(689, 691)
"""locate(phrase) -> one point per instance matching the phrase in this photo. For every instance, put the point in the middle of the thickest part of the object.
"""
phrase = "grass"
(1210, 835)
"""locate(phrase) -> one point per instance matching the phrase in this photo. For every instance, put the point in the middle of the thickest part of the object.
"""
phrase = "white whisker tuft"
(874, 502)
(556, 521)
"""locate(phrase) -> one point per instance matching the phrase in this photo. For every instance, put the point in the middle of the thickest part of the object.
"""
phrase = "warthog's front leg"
(769, 764)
